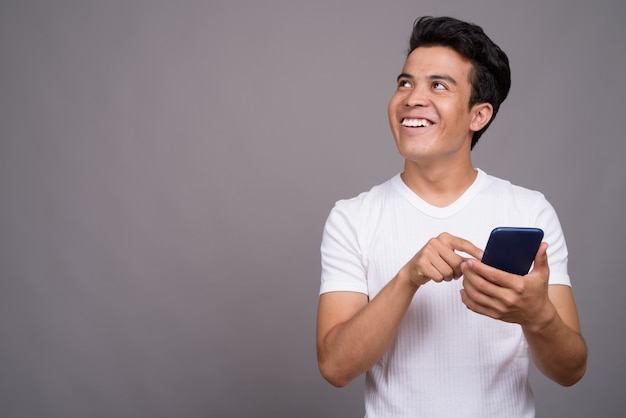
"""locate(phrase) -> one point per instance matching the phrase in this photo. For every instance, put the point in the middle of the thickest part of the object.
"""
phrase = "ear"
(481, 115)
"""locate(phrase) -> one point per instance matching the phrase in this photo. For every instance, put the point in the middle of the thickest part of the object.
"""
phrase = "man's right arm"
(353, 334)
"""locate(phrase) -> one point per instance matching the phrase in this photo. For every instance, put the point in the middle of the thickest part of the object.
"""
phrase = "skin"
(353, 333)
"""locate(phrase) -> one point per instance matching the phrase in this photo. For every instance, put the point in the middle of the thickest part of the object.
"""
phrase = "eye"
(404, 84)
(439, 86)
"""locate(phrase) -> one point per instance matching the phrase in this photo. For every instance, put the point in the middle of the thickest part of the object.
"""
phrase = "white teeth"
(414, 123)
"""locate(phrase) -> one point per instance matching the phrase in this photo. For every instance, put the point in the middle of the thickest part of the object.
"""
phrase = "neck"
(439, 186)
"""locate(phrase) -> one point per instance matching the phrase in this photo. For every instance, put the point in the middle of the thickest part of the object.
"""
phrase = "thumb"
(541, 258)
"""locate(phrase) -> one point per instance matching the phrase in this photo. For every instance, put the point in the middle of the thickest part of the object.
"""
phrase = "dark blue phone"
(512, 249)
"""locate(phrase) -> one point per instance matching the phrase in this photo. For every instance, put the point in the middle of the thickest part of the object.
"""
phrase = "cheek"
(459, 116)
(391, 111)
(391, 105)
(394, 108)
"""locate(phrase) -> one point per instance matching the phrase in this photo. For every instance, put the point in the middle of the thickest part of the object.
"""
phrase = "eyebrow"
(405, 75)
(432, 77)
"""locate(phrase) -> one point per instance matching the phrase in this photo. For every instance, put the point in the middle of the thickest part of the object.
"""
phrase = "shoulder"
(352, 218)
(501, 188)
(365, 202)
(528, 206)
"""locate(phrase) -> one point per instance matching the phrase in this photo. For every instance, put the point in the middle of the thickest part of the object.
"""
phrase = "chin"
(412, 149)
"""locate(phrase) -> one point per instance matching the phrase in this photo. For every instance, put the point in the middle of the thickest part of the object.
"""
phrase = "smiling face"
(429, 113)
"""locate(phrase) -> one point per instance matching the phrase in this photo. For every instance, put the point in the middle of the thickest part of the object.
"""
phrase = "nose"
(417, 97)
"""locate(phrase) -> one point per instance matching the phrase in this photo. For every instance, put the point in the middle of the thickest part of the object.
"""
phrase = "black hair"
(491, 75)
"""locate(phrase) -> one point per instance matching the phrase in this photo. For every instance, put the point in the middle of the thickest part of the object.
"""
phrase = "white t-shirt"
(445, 361)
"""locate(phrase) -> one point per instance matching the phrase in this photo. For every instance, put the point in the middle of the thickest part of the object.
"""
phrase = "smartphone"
(512, 249)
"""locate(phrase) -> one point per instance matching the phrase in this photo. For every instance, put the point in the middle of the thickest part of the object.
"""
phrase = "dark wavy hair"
(491, 75)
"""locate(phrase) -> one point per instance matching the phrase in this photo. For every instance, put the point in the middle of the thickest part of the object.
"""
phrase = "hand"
(509, 297)
(438, 260)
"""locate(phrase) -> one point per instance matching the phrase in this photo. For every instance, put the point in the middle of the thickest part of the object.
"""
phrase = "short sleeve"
(548, 220)
(342, 264)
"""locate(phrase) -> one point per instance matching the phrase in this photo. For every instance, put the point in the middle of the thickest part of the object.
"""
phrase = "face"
(429, 113)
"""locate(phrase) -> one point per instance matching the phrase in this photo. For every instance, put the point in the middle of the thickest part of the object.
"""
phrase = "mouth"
(416, 123)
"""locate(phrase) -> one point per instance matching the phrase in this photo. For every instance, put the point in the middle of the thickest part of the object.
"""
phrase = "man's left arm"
(557, 346)
(547, 314)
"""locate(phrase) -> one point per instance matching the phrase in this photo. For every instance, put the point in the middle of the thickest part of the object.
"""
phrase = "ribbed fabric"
(445, 361)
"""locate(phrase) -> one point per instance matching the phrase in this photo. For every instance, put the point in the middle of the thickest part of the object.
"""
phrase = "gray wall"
(166, 169)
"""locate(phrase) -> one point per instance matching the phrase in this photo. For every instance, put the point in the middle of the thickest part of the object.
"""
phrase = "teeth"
(414, 123)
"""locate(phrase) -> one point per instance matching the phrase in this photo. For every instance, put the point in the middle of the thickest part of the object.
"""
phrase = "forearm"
(557, 350)
(353, 346)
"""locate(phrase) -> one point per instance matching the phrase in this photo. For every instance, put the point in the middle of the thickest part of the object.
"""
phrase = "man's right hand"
(438, 260)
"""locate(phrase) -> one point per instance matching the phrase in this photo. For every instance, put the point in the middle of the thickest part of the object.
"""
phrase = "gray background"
(166, 169)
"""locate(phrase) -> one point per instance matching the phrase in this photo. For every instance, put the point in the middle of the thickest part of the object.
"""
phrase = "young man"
(391, 304)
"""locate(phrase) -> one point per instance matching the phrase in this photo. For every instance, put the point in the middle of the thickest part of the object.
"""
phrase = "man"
(391, 304)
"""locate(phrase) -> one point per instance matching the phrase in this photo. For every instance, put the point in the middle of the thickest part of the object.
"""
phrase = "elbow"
(336, 381)
(576, 373)
(333, 375)
(574, 377)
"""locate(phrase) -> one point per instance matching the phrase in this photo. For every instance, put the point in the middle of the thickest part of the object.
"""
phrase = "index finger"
(464, 247)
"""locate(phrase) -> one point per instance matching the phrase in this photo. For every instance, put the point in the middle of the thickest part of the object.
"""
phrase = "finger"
(448, 245)
(454, 243)
(424, 270)
(478, 294)
(447, 267)
(478, 305)
(463, 245)
(541, 258)
(441, 258)
(497, 278)
(485, 279)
